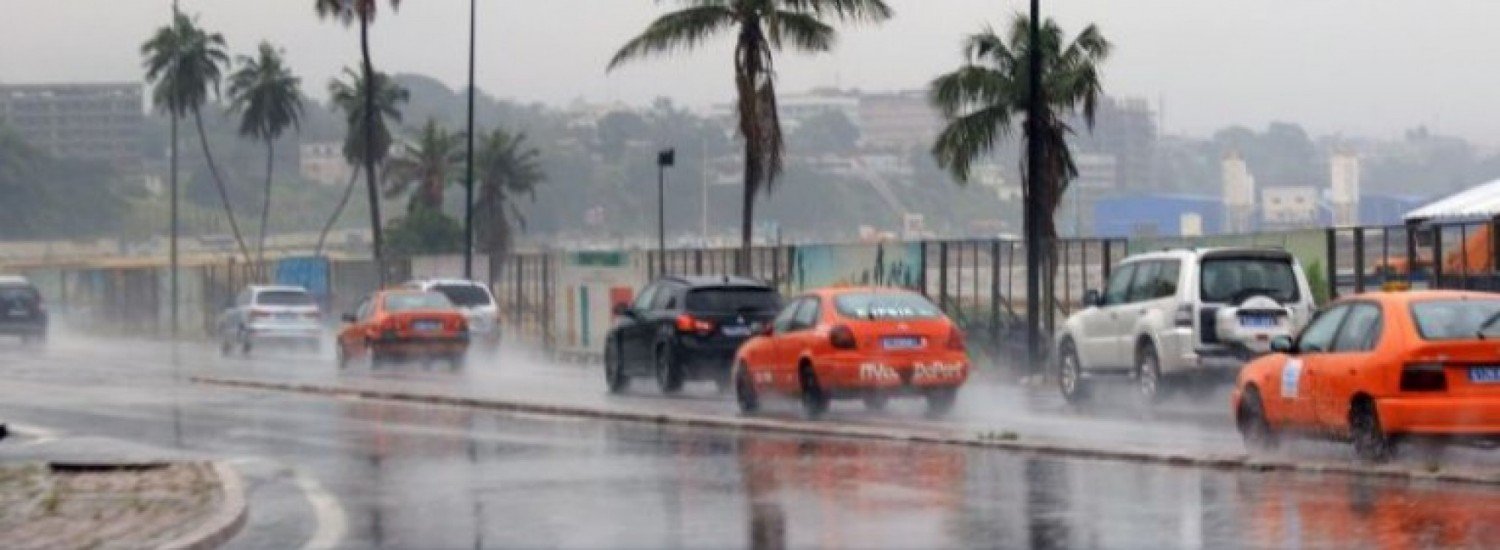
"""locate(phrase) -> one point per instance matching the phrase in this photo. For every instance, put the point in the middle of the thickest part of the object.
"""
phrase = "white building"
(1289, 207)
(1344, 195)
(1239, 195)
(324, 162)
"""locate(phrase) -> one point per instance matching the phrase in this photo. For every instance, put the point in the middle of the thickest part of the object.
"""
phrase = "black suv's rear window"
(733, 299)
(464, 295)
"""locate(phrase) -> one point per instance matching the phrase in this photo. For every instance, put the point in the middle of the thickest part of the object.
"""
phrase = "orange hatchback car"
(854, 343)
(1376, 368)
(404, 324)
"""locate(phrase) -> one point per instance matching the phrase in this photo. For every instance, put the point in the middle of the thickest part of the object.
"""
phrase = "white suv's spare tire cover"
(1229, 329)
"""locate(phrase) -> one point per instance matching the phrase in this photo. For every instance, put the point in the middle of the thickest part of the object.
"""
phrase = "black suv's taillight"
(1423, 377)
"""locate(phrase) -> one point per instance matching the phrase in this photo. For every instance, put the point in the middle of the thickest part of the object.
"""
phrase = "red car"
(404, 324)
(854, 343)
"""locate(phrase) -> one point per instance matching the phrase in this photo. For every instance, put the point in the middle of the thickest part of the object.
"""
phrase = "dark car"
(21, 310)
(686, 328)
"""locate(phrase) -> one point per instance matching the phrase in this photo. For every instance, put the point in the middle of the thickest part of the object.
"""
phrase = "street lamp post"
(664, 158)
(469, 158)
(1035, 188)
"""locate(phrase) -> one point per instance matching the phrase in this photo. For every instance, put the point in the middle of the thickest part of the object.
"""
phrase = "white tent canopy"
(1478, 203)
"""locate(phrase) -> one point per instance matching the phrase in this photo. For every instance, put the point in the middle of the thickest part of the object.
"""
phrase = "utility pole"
(664, 158)
(172, 260)
(1034, 190)
(469, 158)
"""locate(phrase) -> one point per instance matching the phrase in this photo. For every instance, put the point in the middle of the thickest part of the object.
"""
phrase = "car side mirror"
(1091, 298)
(349, 318)
(623, 310)
(1284, 344)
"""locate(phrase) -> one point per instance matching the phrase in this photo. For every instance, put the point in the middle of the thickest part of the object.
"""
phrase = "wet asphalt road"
(359, 474)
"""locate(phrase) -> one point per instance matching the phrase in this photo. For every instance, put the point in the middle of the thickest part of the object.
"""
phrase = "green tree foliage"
(426, 164)
(349, 97)
(268, 99)
(982, 99)
(425, 231)
(508, 170)
(761, 28)
(48, 198)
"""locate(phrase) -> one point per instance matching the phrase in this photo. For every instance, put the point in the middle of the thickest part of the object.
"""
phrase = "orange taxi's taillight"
(842, 337)
(688, 323)
(956, 340)
(1423, 377)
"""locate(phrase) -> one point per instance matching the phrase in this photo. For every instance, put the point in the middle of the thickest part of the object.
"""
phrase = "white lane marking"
(332, 523)
(37, 433)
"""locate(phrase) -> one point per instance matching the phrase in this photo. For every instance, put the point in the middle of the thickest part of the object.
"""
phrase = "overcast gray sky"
(1358, 67)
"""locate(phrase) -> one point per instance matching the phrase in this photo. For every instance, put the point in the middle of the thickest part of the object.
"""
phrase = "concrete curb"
(935, 436)
(225, 523)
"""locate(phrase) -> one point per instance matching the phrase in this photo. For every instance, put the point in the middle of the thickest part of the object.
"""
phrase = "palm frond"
(970, 136)
(803, 31)
(679, 30)
(971, 87)
(872, 11)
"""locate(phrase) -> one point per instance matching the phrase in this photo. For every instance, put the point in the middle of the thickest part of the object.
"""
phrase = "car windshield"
(1456, 319)
(885, 305)
(284, 298)
(1232, 280)
(465, 295)
(733, 300)
(407, 301)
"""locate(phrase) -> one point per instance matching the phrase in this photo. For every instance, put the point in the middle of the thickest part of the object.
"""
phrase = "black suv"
(686, 328)
(21, 311)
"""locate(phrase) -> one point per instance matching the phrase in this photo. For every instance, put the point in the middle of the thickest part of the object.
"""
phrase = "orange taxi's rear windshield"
(408, 301)
(1457, 319)
(885, 305)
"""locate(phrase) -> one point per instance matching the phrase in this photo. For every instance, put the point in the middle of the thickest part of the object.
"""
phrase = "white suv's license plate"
(1258, 321)
(736, 331)
(1484, 375)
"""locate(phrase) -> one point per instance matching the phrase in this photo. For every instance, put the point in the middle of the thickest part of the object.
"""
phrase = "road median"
(1005, 441)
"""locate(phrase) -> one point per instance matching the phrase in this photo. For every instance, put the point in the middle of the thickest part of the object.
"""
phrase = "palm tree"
(427, 163)
(982, 99)
(269, 100)
(508, 168)
(363, 11)
(350, 98)
(761, 28)
(185, 63)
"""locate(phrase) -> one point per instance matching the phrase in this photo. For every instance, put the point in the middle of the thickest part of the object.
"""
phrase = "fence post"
(1411, 254)
(995, 297)
(922, 271)
(520, 292)
(1359, 260)
(943, 276)
(1330, 235)
(1495, 245)
(1437, 256)
(1109, 247)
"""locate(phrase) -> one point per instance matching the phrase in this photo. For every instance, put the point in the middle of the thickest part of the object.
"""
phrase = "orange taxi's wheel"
(1370, 440)
(940, 401)
(744, 390)
(1251, 421)
(814, 398)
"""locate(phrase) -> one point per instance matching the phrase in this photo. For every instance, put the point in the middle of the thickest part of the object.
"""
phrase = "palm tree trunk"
(369, 153)
(337, 211)
(213, 169)
(265, 206)
(747, 216)
(172, 242)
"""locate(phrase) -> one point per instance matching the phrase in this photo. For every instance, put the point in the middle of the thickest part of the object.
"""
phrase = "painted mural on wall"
(886, 264)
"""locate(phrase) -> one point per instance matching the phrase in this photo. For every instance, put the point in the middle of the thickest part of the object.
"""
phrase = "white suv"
(477, 303)
(1182, 315)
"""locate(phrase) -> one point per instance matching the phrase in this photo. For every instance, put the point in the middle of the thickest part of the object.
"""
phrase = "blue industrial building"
(1148, 215)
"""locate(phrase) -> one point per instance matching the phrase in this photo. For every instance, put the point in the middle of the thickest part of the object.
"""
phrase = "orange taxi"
(1376, 368)
(404, 324)
(854, 343)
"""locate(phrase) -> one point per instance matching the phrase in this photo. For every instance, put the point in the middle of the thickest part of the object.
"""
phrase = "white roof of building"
(1481, 202)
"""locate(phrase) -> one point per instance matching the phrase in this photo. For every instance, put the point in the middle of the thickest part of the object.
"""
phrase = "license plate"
(737, 331)
(1485, 375)
(16, 313)
(901, 343)
(1258, 321)
(427, 326)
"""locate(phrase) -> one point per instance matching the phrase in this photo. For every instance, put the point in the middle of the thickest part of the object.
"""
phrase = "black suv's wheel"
(1148, 379)
(744, 390)
(940, 401)
(614, 370)
(668, 371)
(814, 399)
(1253, 426)
(1070, 374)
(1370, 440)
